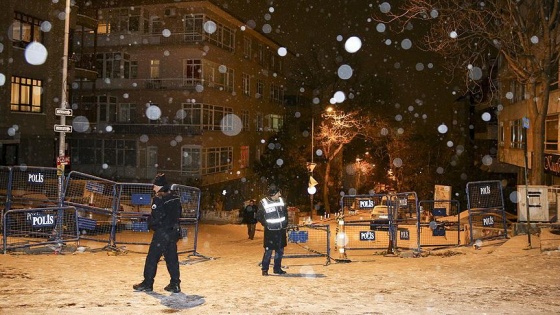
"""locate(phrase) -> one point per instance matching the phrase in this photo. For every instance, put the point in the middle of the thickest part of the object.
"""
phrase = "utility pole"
(63, 111)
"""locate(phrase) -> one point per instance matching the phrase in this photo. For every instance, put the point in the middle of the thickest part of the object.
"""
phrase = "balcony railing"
(164, 129)
(171, 38)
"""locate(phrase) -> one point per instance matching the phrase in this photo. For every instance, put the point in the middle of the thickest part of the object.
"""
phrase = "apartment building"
(513, 135)
(31, 50)
(182, 88)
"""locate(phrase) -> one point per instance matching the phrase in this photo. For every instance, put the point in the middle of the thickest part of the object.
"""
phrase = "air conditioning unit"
(170, 12)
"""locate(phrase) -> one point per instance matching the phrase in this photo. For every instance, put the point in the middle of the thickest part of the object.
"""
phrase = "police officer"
(164, 221)
(273, 215)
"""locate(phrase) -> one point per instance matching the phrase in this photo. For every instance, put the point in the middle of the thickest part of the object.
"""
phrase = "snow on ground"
(503, 277)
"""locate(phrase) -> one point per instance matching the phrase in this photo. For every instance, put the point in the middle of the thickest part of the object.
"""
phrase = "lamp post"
(310, 167)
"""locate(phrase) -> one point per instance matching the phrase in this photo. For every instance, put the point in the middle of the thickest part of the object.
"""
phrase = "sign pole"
(525, 127)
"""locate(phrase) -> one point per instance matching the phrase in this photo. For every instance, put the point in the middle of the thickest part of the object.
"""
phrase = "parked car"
(380, 214)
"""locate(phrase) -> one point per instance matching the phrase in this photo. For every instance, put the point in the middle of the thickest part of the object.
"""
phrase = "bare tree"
(335, 131)
(469, 34)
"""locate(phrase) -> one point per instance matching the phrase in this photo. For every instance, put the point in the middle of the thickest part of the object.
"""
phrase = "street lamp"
(310, 167)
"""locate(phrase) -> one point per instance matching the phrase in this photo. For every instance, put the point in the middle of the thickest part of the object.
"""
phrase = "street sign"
(63, 112)
(62, 160)
(62, 128)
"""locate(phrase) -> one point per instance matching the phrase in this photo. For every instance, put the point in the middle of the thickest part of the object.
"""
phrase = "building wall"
(141, 48)
(32, 133)
(506, 153)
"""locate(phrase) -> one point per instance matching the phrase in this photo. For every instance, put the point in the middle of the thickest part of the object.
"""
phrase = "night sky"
(414, 82)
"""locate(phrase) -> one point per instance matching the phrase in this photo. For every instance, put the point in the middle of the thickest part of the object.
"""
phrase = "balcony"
(153, 84)
(171, 38)
(83, 67)
(159, 129)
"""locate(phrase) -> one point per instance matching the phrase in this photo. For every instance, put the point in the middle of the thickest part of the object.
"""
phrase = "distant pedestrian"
(273, 215)
(250, 218)
(164, 221)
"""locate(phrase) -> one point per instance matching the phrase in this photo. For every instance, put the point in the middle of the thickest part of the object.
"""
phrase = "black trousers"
(166, 245)
(251, 227)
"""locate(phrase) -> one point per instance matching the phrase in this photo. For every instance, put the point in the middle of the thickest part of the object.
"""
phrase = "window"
(26, 95)
(206, 117)
(551, 133)
(226, 80)
(101, 109)
(247, 43)
(156, 25)
(217, 160)
(244, 157)
(260, 122)
(151, 156)
(116, 65)
(222, 37)
(104, 151)
(260, 89)
(106, 109)
(127, 113)
(123, 20)
(191, 160)
(518, 90)
(154, 69)
(193, 28)
(192, 72)
(246, 84)
(260, 55)
(276, 94)
(196, 71)
(501, 134)
(196, 161)
(275, 122)
(517, 140)
(245, 119)
(26, 29)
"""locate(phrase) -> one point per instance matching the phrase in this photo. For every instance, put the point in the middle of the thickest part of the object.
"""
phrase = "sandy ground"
(503, 277)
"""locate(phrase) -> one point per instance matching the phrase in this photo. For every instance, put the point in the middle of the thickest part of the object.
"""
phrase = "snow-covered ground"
(503, 277)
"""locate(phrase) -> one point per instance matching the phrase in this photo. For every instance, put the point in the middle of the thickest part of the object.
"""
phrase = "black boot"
(173, 287)
(279, 272)
(143, 286)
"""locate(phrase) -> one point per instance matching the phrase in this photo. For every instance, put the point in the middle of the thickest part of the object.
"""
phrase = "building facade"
(514, 132)
(182, 88)
(31, 49)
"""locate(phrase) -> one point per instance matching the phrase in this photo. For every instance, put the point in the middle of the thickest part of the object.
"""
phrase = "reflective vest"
(274, 214)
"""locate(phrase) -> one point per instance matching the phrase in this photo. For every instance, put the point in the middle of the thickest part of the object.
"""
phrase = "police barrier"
(487, 217)
(364, 223)
(25, 187)
(32, 187)
(106, 211)
(440, 223)
(95, 199)
(4, 188)
(308, 240)
(396, 221)
(404, 213)
(24, 228)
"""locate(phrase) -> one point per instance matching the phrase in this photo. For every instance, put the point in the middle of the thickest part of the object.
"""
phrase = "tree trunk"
(538, 113)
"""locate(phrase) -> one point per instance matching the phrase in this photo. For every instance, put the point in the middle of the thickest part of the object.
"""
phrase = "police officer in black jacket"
(164, 221)
(273, 215)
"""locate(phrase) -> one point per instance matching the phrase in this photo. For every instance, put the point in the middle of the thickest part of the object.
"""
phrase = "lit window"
(26, 95)
(26, 29)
